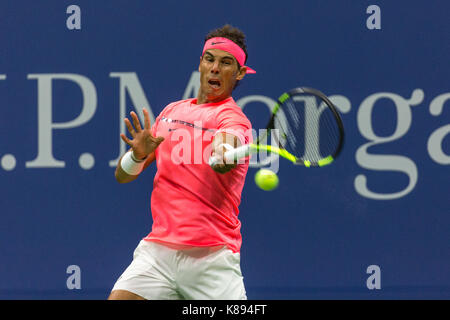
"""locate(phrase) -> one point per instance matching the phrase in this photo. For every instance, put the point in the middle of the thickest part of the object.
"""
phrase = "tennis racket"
(309, 131)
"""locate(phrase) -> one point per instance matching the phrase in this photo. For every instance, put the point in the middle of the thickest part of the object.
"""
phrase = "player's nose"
(215, 68)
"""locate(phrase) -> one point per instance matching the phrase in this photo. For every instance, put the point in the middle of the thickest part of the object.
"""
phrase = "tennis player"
(192, 251)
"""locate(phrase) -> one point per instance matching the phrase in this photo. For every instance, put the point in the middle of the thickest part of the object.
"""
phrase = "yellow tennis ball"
(266, 179)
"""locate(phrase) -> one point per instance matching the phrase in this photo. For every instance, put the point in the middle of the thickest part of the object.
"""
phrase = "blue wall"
(384, 203)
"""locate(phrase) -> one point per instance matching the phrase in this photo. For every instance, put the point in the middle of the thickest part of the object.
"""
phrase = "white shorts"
(159, 272)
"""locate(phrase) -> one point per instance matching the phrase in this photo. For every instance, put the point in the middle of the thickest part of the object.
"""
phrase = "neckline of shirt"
(194, 100)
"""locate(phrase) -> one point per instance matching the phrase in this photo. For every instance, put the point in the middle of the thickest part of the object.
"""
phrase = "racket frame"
(246, 150)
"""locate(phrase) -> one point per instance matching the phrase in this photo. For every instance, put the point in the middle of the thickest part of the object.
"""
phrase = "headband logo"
(214, 43)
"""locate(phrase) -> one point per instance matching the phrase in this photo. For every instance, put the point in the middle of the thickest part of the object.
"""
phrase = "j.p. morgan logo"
(130, 87)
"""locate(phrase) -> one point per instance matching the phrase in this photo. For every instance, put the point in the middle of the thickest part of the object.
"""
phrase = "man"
(193, 249)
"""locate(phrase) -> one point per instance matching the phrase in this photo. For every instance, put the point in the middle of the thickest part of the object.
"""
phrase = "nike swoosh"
(214, 43)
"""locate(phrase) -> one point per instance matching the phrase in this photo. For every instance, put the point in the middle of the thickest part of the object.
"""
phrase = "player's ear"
(241, 74)
(200, 63)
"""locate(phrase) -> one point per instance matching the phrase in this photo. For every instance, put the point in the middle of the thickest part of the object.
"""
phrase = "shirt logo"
(164, 119)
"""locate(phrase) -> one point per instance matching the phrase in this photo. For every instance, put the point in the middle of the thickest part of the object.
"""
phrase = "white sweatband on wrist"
(130, 166)
(136, 159)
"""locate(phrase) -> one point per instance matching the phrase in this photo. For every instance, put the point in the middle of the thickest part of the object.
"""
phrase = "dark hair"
(232, 33)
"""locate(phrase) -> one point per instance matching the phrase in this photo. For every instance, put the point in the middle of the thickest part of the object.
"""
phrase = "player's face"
(219, 72)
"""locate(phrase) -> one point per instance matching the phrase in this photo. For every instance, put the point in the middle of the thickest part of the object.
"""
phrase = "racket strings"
(310, 128)
(288, 129)
(330, 134)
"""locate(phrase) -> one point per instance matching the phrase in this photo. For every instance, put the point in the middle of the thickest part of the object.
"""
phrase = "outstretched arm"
(143, 145)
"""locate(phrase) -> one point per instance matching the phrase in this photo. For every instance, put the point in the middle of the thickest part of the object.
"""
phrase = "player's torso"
(188, 130)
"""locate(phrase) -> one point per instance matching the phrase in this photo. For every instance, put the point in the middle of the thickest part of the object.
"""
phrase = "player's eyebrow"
(224, 57)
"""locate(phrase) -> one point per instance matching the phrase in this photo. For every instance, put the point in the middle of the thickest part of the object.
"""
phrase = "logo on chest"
(195, 125)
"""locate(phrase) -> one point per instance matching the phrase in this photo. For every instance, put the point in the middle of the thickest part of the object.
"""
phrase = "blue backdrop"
(373, 225)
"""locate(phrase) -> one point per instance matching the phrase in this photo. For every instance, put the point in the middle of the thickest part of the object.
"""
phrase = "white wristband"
(130, 166)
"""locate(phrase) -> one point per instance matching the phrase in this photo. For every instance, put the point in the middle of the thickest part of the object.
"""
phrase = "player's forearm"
(124, 177)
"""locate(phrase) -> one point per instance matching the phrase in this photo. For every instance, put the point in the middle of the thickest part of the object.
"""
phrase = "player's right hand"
(143, 142)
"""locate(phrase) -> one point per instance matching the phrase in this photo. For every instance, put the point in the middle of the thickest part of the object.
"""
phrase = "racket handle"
(232, 155)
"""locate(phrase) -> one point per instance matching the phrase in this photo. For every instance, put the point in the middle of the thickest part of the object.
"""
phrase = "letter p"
(45, 125)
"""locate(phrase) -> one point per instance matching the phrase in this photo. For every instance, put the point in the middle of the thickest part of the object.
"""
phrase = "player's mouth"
(214, 83)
